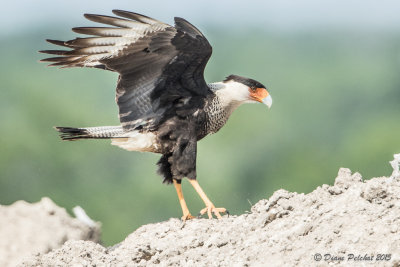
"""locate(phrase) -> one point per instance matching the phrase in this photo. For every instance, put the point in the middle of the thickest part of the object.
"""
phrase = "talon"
(187, 217)
(210, 214)
(211, 209)
(203, 211)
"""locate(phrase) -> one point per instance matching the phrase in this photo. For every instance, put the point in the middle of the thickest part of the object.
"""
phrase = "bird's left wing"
(161, 67)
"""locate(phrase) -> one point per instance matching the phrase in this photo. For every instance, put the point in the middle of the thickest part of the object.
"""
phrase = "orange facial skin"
(259, 94)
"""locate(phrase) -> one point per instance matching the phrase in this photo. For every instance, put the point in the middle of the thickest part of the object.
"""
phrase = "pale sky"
(278, 15)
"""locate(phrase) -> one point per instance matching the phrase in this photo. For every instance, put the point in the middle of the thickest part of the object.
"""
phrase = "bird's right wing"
(159, 65)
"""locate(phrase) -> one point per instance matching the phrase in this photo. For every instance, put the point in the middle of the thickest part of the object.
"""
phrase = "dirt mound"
(351, 222)
(27, 229)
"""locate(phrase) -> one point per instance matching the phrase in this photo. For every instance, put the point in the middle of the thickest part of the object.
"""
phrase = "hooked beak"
(261, 95)
(268, 101)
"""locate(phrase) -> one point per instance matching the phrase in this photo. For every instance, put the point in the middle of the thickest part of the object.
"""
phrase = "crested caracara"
(165, 105)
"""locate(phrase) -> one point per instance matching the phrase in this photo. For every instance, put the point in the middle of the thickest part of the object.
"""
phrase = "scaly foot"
(211, 209)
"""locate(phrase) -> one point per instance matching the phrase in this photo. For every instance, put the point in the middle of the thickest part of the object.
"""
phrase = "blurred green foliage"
(336, 104)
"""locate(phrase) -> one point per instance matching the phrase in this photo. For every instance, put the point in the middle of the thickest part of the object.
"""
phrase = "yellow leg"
(210, 208)
(185, 210)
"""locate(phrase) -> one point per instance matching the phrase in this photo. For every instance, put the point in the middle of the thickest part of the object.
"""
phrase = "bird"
(165, 104)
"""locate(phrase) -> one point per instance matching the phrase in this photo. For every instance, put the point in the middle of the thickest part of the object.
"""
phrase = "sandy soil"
(28, 229)
(351, 223)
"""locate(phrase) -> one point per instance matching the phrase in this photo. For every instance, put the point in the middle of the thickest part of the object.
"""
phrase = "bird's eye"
(253, 88)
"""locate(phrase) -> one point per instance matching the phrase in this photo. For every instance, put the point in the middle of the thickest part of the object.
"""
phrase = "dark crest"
(246, 81)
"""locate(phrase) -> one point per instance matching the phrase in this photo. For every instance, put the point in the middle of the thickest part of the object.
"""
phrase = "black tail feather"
(99, 132)
(72, 134)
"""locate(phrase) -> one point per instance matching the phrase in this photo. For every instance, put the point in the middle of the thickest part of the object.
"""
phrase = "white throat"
(231, 94)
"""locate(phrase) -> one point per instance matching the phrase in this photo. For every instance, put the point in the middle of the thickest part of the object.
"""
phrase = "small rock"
(375, 191)
(345, 179)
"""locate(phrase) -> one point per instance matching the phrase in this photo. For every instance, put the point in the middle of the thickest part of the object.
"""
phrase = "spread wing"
(161, 67)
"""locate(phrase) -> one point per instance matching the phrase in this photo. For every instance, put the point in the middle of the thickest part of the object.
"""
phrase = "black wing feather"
(159, 65)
